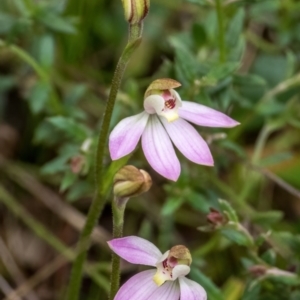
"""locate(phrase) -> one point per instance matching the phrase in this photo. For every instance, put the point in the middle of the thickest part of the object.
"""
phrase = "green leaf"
(220, 72)
(235, 28)
(44, 134)
(21, 7)
(46, 51)
(70, 127)
(75, 93)
(267, 218)
(249, 80)
(171, 205)
(56, 22)
(39, 96)
(271, 67)
(291, 280)
(58, 164)
(269, 257)
(6, 83)
(252, 291)
(79, 190)
(185, 66)
(236, 236)
(114, 167)
(230, 212)
(198, 201)
(68, 179)
(6, 22)
(212, 290)
(199, 35)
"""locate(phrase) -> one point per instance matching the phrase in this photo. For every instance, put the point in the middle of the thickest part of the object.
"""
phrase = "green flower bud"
(135, 10)
(130, 182)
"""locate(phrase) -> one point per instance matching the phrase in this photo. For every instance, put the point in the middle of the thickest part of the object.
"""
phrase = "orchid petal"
(136, 250)
(154, 104)
(205, 116)
(186, 138)
(142, 287)
(125, 136)
(191, 290)
(180, 270)
(177, 97)
(159, 150)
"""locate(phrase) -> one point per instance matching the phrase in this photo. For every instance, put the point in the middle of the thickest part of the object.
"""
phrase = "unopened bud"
(181, 255)
(130, 182)
(77, 163)
(135, 10)
(258, 270)
(216, 218)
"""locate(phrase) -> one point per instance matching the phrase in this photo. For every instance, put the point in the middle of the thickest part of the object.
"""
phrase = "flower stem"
(118, 222)
(221, 37)
(99, 199)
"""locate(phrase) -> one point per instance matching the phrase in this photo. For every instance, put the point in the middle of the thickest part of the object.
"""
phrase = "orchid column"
(135, 12)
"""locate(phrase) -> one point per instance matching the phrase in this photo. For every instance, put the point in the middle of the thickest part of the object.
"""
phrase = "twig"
(37, 278)
(5, 287)
(12, 268)
(41, 231)
(51, 200)
(293, 191)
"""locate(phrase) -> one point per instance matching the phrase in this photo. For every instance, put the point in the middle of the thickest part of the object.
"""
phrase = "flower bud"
(258, 270)
(77, 163)
(130, 181)
(216, 218)
(135, 10)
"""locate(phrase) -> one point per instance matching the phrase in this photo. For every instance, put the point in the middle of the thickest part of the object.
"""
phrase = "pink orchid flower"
(165, 120)
(167, 282)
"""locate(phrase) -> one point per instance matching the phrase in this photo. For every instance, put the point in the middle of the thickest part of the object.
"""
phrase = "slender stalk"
(135, 31)
(260, 143)
(258, 148)
(118, 222)
(221, 33)
(99, 199)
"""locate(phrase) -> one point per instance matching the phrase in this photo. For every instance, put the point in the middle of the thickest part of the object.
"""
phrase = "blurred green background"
(57, 60)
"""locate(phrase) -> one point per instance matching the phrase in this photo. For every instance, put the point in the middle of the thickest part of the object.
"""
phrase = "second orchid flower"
(165, 121)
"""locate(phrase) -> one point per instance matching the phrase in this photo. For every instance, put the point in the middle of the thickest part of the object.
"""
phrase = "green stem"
(118, 222)
(135, 31)
(260, 143)
(99, 199)
(258, 148)
(221, 34)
